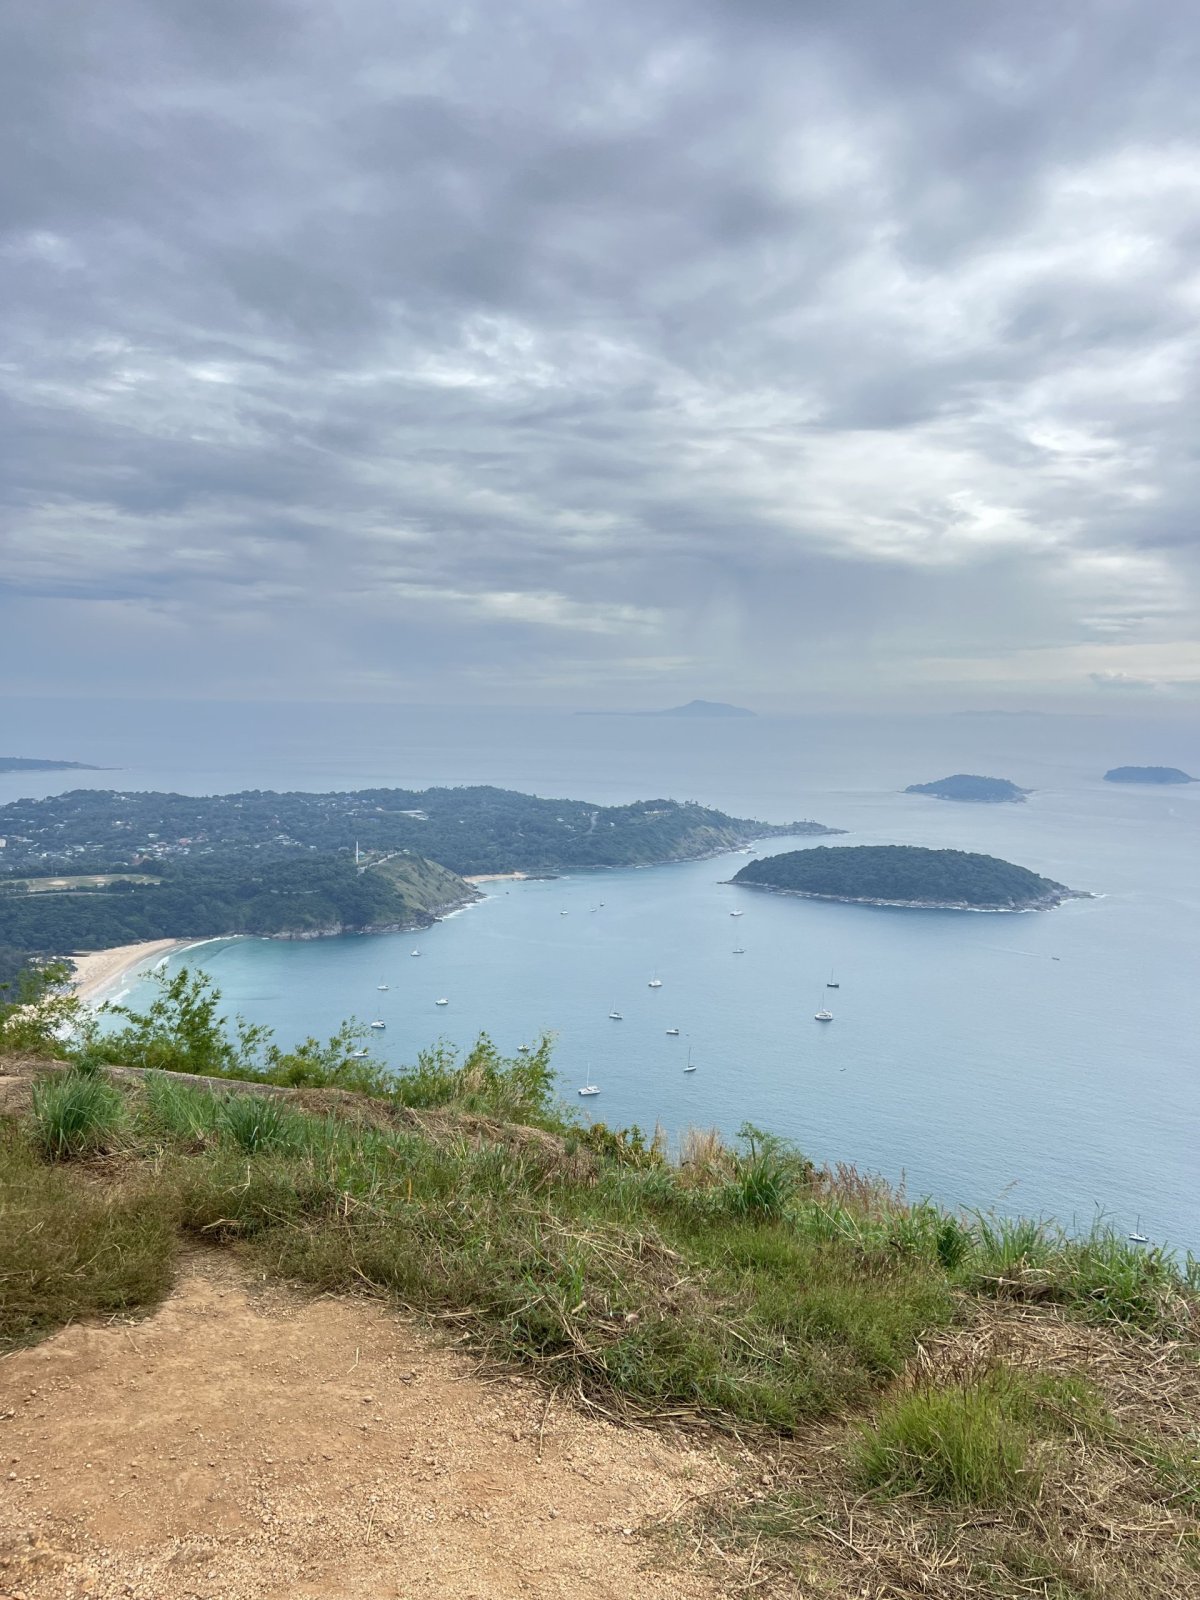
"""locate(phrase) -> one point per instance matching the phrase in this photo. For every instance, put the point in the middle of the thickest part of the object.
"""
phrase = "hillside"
(969, 786)
(467, 830)
(905, 875)
(299, 898)
(899, 1380)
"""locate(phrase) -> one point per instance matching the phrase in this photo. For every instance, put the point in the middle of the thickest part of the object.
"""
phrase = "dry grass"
(1117, 1515)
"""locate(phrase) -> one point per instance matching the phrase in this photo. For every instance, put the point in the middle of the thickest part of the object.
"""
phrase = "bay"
(1042, 1063)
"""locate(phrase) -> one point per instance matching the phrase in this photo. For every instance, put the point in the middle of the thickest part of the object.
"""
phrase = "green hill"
(905, 875)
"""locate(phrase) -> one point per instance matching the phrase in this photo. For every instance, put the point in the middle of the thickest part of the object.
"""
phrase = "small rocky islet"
(970, 786)
(1148, 775)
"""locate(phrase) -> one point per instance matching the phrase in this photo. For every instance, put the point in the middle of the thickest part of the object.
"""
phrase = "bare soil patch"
(247, 1441)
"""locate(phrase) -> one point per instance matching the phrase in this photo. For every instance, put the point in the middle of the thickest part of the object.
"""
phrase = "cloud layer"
(574, 354)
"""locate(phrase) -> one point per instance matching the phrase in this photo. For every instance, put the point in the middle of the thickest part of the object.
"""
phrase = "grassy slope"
(736, 1289)
(425, 886)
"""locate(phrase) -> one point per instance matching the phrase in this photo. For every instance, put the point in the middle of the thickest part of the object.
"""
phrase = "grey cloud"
(771, 343)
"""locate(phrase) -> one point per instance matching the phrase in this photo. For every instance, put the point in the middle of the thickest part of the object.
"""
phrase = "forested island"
(969, 786)
(905, 875)
(34, 764)
(94, 868)
(1147, 775)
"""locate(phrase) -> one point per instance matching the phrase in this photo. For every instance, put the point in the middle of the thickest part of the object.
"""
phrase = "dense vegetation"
(236, 894)
(969, 786)
(905, 874)
(468, 830)
(735, 1287)
(1147, 775)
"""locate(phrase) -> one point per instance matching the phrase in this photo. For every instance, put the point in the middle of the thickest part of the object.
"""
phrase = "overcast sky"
(601, 353)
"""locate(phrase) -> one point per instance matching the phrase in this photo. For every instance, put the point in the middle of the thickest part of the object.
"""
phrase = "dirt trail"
(247, 1442)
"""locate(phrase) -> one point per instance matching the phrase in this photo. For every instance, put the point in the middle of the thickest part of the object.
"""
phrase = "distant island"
(702, 708)
(968, 786)
(1147, 775)
(694, 708)
(94, 868)
(32, 764)
(905, 875)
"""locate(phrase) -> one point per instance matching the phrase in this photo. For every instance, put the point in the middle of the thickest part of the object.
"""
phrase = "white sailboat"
(823, 1014)
(379, 1025)
(589, 1087)
(831, 984)
(655, 982)
(735, 913)
(414, 952)
(443, 1001)
(382, 987)
(691, 1066)
(616, 1015)
(674, 1032)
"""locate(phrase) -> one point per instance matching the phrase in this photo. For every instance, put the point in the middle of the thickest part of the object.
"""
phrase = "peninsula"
(34, 764)
(905, 875)
(969, 786)
(94, 868)
(1147, 775)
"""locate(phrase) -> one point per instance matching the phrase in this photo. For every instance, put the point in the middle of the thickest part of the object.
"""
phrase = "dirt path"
(247, 1442)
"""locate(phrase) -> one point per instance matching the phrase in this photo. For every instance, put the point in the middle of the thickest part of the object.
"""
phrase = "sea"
(1044, 1063)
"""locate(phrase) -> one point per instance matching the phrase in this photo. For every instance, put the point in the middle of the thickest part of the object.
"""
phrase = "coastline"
(1047, 903)
(494, 877)
(98, 970)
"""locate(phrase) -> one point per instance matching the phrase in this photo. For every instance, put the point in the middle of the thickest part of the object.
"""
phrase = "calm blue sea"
(1045, 1063)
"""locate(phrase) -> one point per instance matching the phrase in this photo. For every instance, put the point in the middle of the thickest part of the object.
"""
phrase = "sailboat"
(382, 987)
(1137, 1236)
(414, 952)
(359, 1055)
(655, 982)
(442, 1002)
(691, 1066)
(735, 913)
(379, 1025)
(674, 1032)
(589, 1087)
(831, 984)
(739, 950)
(616, 1015)
(822, 1014)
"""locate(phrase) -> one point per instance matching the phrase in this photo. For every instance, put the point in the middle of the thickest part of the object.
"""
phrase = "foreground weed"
(75, 1114)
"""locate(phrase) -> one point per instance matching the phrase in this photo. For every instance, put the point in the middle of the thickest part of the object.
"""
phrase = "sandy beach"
(494, 877)
(98, 970)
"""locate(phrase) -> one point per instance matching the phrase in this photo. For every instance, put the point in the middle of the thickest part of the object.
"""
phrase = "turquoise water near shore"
(1043, 1062)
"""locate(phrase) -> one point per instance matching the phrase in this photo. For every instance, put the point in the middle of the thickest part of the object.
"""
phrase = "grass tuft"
(75, 1114)
(966, 1444)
